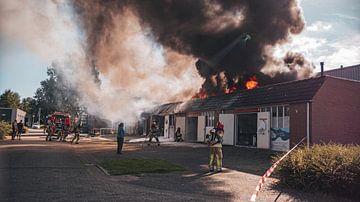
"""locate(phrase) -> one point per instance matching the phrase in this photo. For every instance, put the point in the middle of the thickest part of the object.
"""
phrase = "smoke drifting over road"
(147, 51)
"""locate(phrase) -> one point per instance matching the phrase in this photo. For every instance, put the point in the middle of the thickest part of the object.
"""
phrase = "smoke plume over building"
(125, 55)
(201, 29)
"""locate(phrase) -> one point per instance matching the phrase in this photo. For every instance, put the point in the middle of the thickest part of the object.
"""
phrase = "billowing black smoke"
(203, 28)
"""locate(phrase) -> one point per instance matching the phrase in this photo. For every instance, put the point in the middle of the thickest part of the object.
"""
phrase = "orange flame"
(252, 83)
(230, 90)
(202, 94)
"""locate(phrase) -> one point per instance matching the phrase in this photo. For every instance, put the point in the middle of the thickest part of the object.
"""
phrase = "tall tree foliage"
(56, 95)
(9, 99)
(28, 105)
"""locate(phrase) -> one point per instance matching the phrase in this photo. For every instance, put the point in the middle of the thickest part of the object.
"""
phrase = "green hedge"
(5, 129)
(331, 168)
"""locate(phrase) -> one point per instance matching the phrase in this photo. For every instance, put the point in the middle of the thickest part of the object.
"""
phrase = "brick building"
(350, 72)
(323, 109)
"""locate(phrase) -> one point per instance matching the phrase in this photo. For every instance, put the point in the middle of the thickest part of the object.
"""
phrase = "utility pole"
(39, 114)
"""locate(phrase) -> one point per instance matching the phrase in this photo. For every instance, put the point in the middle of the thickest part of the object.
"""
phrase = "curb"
(103, 170)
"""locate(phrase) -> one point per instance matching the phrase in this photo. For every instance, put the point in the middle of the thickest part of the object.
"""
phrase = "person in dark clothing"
(20, 127)
(14, 129)
(120, 138)
(49, 130)
(76, 133)
(178, 136)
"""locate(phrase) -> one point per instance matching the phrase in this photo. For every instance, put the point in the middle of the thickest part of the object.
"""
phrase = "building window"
(209, 118)
(286, 117)
(274, 122)
(265, 109)
(171, 120)
(280, 116)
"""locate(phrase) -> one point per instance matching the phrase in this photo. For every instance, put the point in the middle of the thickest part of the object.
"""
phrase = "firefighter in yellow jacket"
(214, 140)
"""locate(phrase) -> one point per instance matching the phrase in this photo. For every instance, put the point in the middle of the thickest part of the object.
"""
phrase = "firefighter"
(65, 133)
(214, 140)
(60, 129)
(50, 128)
(178, 136)
(76, 133)
(65, 128)
(153, 133)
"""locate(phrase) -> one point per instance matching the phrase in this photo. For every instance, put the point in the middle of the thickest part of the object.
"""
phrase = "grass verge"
(139, 166)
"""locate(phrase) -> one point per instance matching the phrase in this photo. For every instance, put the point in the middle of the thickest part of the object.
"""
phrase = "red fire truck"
(61, 120)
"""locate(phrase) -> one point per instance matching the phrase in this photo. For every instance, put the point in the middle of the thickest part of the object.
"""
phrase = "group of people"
(17, 129)
(63, 131)
(154, 132)
(214, 140)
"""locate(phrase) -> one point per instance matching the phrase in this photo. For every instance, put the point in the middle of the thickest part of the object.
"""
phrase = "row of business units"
(323, 109)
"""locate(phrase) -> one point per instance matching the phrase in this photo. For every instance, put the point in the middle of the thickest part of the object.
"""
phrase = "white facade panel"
(201, 129)
(229, 128)
(166, 127)
(263, 130)
(180, 123)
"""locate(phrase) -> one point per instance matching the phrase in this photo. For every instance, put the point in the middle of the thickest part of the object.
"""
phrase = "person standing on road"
(14, 129)
(214, 140)
(76, 133)
(153, 133)
(20, 127)
(49, 130)
(120, 138)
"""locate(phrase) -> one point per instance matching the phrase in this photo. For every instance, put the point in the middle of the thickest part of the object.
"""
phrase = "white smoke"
(136, 74)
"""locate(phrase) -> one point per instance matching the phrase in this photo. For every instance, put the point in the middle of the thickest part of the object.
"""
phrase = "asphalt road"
(43, 171)
(35, 170)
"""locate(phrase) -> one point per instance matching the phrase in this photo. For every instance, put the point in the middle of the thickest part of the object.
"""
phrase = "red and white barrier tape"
(269, 171)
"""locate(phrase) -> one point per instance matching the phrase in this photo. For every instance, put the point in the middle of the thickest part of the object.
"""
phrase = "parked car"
(36, 126)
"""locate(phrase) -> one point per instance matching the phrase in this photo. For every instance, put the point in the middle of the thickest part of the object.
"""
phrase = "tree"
(10, 99)
(28, 105)
(56, 95)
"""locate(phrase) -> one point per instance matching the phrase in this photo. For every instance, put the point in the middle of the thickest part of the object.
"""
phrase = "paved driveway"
(35, 170)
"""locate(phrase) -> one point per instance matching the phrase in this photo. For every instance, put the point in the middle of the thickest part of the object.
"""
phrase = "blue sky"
(332, 35)
(20, 69)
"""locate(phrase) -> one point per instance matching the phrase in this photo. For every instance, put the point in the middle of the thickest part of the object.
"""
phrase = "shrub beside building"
(327, 168)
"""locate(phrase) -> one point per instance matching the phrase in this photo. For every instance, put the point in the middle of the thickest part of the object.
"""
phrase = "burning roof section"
(293, 91)
(169, 108)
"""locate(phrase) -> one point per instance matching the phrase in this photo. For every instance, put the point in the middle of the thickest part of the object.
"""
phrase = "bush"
(5, 129)
(328, 168)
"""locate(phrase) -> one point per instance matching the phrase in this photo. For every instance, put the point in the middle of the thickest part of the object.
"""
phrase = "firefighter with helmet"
(214, 140)
(76, 131)
(153, 133)
(50, 129)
